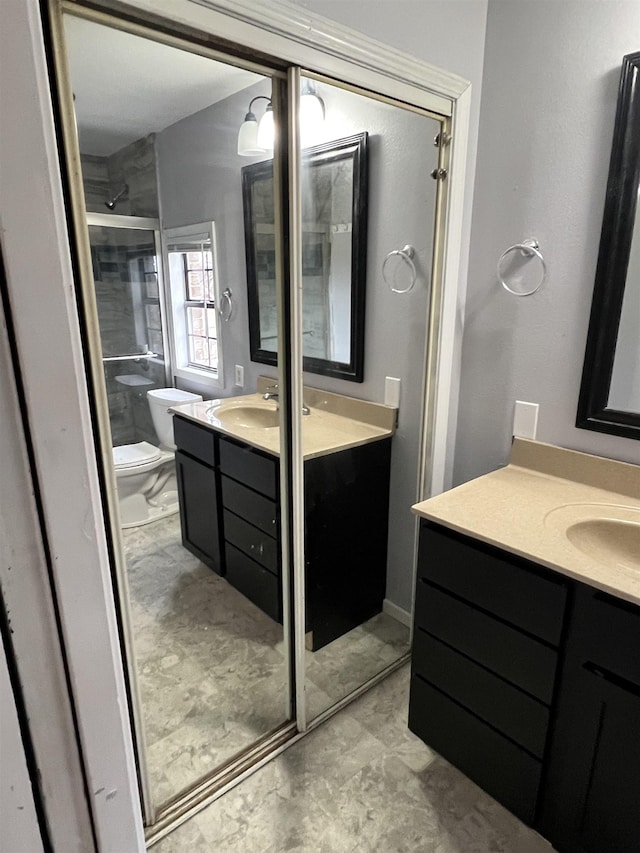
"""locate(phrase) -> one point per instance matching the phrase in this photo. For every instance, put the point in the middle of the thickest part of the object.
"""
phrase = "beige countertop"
(335, 422)
(527, 507)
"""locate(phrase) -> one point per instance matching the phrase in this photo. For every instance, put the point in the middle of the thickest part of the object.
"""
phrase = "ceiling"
(126, 86)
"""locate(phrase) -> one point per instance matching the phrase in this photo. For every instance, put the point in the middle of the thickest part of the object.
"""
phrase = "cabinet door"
(592, 800)
(199, 510)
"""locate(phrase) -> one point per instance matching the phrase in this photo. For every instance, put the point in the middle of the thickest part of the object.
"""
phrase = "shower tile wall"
(122, 313)
(95, 178)
(134, 165)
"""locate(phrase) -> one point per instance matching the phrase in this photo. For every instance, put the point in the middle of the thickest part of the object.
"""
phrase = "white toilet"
(145, 474)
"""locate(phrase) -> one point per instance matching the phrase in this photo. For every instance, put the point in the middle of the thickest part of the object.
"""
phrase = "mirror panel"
(624, 391)
(202, 594)
(334, 250)
(208, 665)
(610, 390)
(360, 483)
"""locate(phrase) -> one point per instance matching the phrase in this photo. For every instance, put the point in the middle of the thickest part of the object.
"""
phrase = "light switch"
(239, 380)
(392, 391)
(525, 419)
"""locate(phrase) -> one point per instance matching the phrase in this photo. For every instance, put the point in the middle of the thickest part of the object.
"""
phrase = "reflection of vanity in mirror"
(610, 391)
(229, 486)
(334, 247)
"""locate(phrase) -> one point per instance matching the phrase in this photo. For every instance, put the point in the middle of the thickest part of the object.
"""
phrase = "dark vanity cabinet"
(229, 508)
(485, 654)
(529, 683)
(346, 502)
(199, 492)
(591, 801)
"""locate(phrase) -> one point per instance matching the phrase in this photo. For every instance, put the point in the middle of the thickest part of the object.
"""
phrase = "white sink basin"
(606, 533)
(253, 415)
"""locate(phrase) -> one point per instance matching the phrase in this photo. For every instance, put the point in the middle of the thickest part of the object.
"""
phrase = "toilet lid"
(130, 455)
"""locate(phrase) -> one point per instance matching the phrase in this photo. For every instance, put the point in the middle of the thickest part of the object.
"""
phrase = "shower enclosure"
(127, 272)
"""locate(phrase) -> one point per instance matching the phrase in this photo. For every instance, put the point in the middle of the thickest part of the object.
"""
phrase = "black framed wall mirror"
(610, 390)
(334, 192)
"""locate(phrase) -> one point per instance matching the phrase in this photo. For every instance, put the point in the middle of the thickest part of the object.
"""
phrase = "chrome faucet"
(271, 393)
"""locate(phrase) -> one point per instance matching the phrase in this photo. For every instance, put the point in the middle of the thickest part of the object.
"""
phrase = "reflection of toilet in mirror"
(145, 474)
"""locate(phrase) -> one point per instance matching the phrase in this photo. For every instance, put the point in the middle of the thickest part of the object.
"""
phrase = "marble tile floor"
(211, 666)
(361, 782)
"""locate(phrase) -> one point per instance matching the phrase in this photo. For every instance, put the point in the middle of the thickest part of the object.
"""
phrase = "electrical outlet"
(239, 380)
(525, 419)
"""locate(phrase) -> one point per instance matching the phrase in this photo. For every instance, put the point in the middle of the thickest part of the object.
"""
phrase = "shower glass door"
(126, 264)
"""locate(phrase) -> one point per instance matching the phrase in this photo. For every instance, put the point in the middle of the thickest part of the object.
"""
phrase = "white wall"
(548, 104)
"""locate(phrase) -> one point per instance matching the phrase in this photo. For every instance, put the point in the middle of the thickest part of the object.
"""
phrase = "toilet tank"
(160, 400)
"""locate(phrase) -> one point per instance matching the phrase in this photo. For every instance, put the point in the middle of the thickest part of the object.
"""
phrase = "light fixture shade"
(266, 130)
(311, 114)
(311, 109)
(248, 137)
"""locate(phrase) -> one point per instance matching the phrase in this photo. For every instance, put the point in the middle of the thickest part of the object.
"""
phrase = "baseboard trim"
(396, 612)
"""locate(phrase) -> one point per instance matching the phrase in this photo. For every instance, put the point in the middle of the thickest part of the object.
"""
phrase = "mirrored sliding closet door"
(193, 482)
(257, 247)
(367, 213)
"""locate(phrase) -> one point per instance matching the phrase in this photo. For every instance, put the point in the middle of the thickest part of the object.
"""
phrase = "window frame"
(177, 299)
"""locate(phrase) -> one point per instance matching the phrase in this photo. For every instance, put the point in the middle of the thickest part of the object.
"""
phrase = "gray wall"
(449, 34)
(548, 105)
(199, 178)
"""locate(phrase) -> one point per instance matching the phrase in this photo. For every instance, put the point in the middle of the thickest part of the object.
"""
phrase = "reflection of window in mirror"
(193, 294)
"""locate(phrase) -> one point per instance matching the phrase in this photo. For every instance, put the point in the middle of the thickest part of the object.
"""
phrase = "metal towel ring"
(226, 294)
(527, 247)
(406, 255)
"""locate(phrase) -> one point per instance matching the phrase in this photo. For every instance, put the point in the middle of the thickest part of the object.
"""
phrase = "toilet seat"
(135, 455)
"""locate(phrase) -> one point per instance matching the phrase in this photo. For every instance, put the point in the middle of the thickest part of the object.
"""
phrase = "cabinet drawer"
(254, 542)
(254, 508)
(520, 659)
(254, 581)
(249, 466)
(493, 580)
(505, 771)
(503, 706)
(195, 440)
